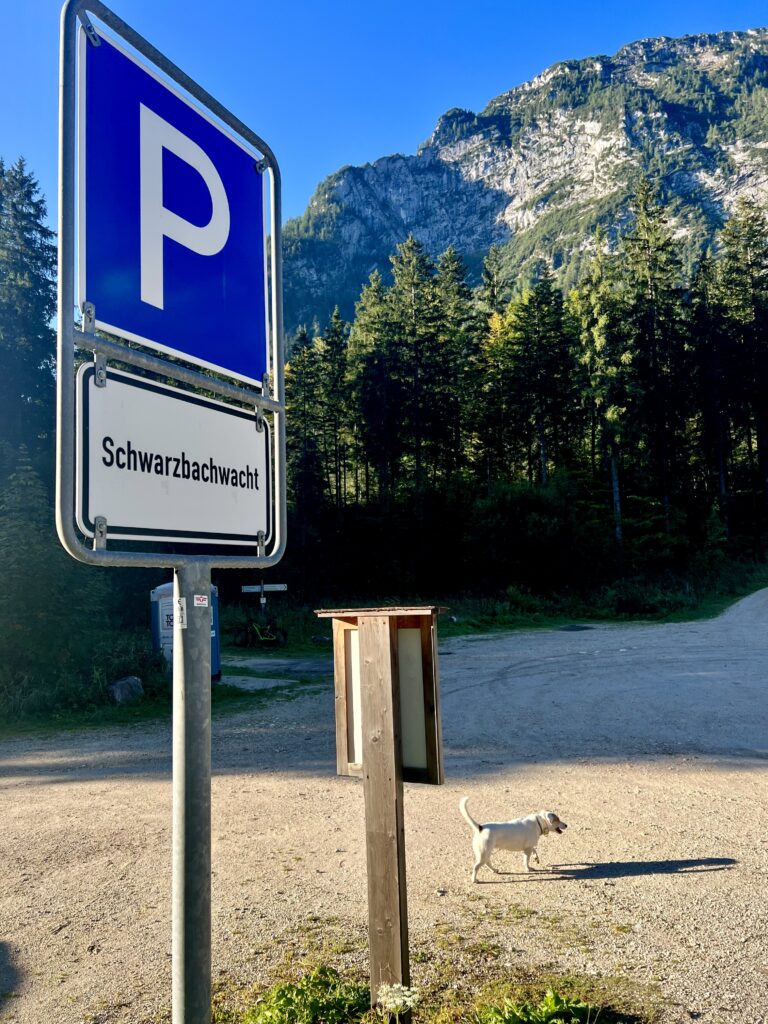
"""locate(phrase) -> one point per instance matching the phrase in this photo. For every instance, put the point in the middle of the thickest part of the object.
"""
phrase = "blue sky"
(339, 82)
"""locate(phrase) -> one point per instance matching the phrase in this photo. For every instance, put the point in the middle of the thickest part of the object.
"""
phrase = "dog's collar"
(538, 822)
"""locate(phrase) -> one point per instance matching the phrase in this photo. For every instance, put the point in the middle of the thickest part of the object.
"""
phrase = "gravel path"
(650, 741)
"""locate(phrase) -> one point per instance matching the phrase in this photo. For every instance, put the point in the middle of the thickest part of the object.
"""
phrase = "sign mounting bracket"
(90, 31)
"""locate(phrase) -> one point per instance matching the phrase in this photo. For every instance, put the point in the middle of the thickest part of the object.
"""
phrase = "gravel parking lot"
(651, 741)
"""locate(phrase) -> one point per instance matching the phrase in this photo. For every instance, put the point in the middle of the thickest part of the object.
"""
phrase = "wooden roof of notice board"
(338, 613)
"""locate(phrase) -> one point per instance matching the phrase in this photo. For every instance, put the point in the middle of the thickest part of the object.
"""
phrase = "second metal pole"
(191, 883)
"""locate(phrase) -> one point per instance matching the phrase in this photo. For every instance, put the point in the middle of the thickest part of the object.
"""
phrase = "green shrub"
(320, 997)
(76, 678)
(649, 598)
(521, 600)
(553, 1009)
(130, 653)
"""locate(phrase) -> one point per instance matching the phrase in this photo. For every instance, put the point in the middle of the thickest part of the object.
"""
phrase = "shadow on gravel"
(10, 976)
(634, 868)
(616, 869)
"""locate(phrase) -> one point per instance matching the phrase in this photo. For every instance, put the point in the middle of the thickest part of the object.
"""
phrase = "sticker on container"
(201, 600)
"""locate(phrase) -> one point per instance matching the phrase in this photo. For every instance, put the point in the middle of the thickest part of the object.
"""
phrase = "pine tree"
(332, 401)
(415, 315)
(496, 424)
(607, 355)
(494, 293)
(302, 387)
(543, 370)
(717, 381)
(455, 377)
(656, 314)
(27, 304)
(375, 390)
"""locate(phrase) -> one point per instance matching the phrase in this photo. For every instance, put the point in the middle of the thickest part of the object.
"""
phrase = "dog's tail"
(467, 816)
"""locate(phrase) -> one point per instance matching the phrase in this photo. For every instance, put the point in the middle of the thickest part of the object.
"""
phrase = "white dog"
(521, 835)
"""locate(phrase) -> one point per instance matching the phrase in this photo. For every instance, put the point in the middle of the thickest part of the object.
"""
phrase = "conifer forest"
(509, 440)
(521, 438)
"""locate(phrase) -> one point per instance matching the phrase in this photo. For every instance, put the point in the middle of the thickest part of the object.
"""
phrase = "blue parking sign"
(172, 220)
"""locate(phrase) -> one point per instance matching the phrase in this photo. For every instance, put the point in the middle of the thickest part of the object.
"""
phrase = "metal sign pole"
(191, 881)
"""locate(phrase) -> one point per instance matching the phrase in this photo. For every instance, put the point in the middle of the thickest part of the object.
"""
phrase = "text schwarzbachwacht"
(180, 467)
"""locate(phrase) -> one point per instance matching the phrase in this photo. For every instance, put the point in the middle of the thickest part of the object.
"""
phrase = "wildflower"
(396, 999)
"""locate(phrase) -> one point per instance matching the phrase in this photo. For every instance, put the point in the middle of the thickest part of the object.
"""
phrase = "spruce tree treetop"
(27, 305)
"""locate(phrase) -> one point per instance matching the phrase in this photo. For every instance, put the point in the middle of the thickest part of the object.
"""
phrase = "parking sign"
(172, 222)
(162, 213)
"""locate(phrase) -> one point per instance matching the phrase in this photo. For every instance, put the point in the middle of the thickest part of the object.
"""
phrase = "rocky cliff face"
(546, 163)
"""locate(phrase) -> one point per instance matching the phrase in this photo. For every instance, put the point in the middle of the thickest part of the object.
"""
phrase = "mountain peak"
(545, 163)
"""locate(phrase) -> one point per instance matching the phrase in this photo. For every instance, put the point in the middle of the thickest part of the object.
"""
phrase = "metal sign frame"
(75, 18)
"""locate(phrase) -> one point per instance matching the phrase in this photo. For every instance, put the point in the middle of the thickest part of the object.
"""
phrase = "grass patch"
(607, 1000)
(550, 1009)
(323, 996)
(457, 982)
(264, 672)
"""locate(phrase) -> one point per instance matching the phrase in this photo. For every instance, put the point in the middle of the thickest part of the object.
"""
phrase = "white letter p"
(157, 222)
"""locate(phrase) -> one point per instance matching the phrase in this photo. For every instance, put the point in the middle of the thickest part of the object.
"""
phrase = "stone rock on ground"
(126, 691)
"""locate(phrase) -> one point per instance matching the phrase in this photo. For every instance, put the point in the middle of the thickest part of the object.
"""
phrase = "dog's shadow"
(617, 869)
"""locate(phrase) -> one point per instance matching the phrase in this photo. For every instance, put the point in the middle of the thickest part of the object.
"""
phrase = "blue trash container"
(161, 608)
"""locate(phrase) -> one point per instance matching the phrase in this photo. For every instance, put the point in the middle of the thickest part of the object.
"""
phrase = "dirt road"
(650, 741)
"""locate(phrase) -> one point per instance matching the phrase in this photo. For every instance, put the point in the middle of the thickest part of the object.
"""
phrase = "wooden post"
(368, 655)
(383, 790)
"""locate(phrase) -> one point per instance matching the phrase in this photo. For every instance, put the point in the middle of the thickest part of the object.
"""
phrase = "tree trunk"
(723, 445)
(618, 526)
(761, 437)
(542, 452)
